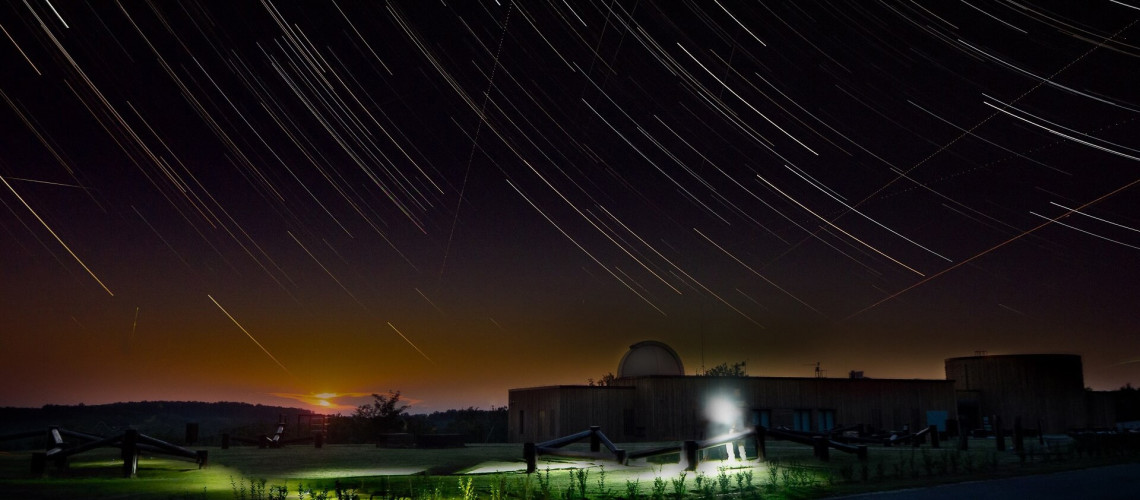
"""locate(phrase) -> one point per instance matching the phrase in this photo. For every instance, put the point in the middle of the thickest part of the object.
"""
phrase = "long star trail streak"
(837, 228)
(995, 247)
(22, 53)
(401, 334)
(583, 249)
(1062, 134)
(1106, 221)
(134, 327)
(475, 139)
(247, 334)
(56, 236)
(326, 270)
(757, 273)
(1090, 233)
(746, 103)
(831, 194)
(987, 141)
(1042, 81)
(688, 277)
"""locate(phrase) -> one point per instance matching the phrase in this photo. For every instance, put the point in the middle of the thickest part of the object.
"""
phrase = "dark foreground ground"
(1110, 482)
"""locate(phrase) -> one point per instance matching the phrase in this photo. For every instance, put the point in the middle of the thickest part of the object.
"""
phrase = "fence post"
(822, 451)
(191, 433)
(130, 453)
(530, 455)
(999, 433)
(759, 435)
(689, 452)
(595, 443)
(963, 435)
(39, 464)
(1018, 436)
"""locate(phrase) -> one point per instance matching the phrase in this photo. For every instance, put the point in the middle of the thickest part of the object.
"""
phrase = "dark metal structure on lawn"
(62, 444)
(316, 426)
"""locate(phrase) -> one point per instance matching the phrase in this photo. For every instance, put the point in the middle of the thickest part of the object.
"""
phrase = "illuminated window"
(826, 419)
(801, 420)
(761, 418)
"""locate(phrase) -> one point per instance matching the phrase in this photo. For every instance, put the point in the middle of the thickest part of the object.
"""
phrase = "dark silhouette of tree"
(476, 425)
(725, 370)
(385, 414)
(606, 380)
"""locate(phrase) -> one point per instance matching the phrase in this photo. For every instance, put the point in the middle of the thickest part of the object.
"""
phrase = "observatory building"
(1046, 390)
(653, 400)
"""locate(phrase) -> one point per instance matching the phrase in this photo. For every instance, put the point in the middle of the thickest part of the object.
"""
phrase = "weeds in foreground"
(467, 488)
(580, 475)
(659, 487)
(679, 486)
(632, 489)
(544, 484)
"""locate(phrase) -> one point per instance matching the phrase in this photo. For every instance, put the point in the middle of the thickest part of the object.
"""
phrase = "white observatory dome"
(650, 358)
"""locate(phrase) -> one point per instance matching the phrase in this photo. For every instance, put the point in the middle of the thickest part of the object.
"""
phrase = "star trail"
(527, 188)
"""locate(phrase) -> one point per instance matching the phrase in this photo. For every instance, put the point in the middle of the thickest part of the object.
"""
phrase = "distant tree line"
(386, 414)
(727, 370)
(1127, 403)
(166, 420)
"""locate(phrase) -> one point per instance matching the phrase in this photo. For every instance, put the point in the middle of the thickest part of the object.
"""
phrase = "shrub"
(659, 486)
(679, 486)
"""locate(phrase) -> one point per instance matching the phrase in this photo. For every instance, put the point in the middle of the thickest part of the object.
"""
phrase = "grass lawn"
(496, 472)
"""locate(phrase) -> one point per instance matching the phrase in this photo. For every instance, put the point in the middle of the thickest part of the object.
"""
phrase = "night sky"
(258, 201)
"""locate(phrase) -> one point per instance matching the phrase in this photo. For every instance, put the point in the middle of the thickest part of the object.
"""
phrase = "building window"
(801, 420)
(761, 418)
(826, 419)
(522, 421)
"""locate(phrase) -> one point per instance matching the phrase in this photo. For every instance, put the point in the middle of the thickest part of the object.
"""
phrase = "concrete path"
(1111, 482)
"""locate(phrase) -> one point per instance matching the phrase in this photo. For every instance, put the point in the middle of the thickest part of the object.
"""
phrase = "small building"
(652, 399)
(1045, 391)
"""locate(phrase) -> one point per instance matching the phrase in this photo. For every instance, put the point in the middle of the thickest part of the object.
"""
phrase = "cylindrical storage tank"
(1045, 388)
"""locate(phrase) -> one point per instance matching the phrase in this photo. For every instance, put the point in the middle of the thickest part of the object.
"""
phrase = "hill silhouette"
(164, 420)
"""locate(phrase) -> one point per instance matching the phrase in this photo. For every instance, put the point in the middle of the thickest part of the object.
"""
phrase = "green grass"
(494, 472)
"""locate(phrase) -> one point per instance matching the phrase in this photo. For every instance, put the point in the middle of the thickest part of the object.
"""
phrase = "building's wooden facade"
(1043, 389)
(541, 413)
(665, 408)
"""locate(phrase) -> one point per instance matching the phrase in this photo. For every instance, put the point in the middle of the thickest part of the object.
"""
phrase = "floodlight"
(723, 411)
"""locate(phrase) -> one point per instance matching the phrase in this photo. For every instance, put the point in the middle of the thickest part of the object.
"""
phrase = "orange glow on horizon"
(325, 401)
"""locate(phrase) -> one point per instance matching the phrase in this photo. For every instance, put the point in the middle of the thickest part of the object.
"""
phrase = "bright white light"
(723, 411)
